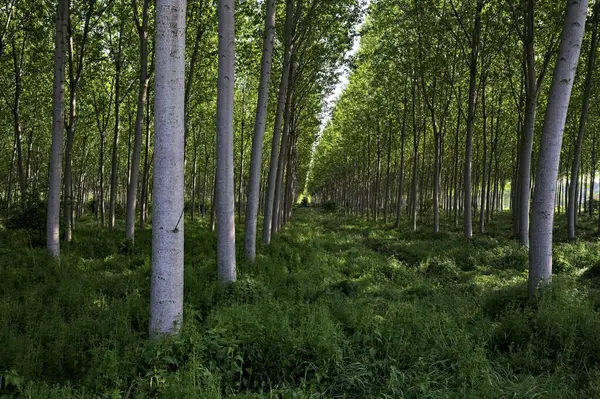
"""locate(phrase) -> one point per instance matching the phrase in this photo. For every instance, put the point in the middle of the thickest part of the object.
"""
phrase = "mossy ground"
(334, 307)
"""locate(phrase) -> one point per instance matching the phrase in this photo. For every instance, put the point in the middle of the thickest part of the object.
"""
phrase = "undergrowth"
(334, 307)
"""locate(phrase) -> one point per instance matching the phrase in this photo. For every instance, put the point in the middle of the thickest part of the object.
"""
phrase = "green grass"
(334, 307)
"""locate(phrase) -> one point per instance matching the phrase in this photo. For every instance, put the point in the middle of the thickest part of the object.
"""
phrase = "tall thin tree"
(55, 170)
(225, 183)
(542, 216)
(166, 295)
(142, 28)
(587, 91)
(259, 133)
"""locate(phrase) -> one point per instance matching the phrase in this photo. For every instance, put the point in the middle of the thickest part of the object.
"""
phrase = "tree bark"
(484, 175)
(225, 183)
(166, 293)
(252, 204)
(283, 86)
(18, 66)
(75, 73)
(468, 214)
(55, 169)
(540, 252)
(115, 142)
(401, 182)
(277, 199)
(142, 28)
(587, 90)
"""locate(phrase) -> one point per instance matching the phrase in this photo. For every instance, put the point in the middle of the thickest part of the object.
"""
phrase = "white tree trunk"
(272, 177)
(142, 27)
(542, 215)
(259, 133)
(524, 190)
(225, 183)
(166, 303)
(55, 170)
(587, 90)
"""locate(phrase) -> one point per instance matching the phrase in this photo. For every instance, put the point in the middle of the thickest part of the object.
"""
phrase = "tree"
(259, 132)
(225, 183)
(141, 25)
(283, 86)
(76, 63)
(542, 216)
(55, 171)
(468, 217)
(587, 90)
(166, 296)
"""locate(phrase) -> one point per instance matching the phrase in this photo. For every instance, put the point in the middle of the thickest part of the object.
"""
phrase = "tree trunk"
(401, 182)
(252, 204)
(484, 160)
(17, 66)
(387, 174)
(225, 183)
(60, 49)
(532, 92)
(468, 216)
(592, 178)
(456, 186)
(142, 28)
(146, 172)
(115, 141)
(241, 165)
(166, 294)
(283, 86)
(277, 199)
(540, 252)
(415, 167)
(587, 90)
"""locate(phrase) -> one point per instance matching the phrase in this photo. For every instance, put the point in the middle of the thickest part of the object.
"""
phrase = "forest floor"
(334, 307)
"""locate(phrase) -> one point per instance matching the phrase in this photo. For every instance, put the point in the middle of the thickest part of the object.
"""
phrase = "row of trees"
(440, 117)
(157, 77)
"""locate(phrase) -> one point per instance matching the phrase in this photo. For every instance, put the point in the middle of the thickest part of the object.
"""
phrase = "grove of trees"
(439, 117)
(146, 122)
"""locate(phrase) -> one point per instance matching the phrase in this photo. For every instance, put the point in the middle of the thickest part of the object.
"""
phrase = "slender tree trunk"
(529, 127)
(282, 155)
(142, 28)
(592, 178)
(146, 173)
(194, 174)
(115, 141)
(75, 63)
(166, 293)
(100, 202)
(484, 161)
(241, 165)
(415, 166)
(283, 87)
(540, 252)
(17, 66)
(456, 141)
(401, 182)
(587, 90)
(55, 169)
(225, 184)
(468, 217)
(252, 204)
(387, 174)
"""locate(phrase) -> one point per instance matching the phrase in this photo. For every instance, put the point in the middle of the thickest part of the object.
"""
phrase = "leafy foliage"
(323, 311)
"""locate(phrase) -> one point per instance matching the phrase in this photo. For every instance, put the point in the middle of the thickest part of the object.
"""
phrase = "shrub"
(440, 267)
